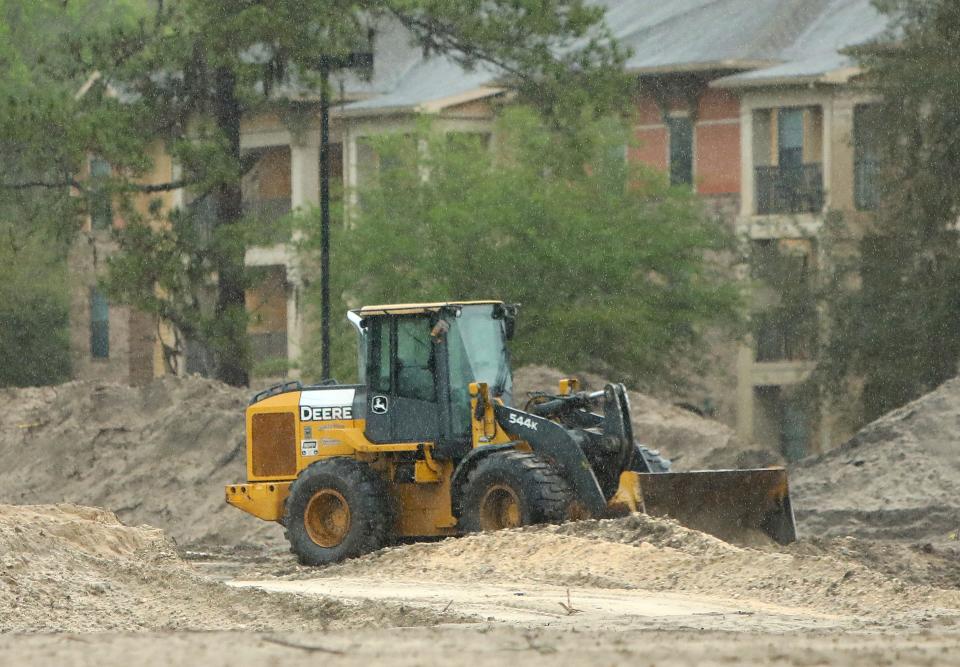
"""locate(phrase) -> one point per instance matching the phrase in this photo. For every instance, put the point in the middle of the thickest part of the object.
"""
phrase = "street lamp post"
(355, 60)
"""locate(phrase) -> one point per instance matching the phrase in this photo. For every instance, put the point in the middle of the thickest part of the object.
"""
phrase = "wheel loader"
(433, 444)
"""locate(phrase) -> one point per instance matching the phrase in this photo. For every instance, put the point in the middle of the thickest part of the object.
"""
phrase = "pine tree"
(899, 332)
(187, 75)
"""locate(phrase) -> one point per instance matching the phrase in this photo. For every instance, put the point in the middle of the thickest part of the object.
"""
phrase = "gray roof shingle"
(760, 42)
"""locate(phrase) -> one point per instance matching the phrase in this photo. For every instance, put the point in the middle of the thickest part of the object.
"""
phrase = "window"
(379, 337)
(411, 367)
(415, 359)
(101, 206)
(99, 325)
(681, 150)
(790, 137)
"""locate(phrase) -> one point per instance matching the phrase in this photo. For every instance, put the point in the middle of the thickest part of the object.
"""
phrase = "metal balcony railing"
(789, 189)
(866, 176)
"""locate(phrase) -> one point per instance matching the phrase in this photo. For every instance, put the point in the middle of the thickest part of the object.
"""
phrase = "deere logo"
(311, 414)
(379, 405)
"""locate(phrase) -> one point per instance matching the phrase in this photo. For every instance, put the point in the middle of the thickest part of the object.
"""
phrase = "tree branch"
(51, 185)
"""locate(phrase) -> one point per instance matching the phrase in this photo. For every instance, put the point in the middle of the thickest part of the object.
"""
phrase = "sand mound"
(65, 568)
(652, 554)
(158, 454)
(897, 478)
(692, 442)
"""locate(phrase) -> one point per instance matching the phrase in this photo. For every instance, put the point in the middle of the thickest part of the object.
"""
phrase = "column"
(746, 160)
(305, 171)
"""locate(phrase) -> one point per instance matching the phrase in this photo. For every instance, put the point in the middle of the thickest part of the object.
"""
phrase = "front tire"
(337, 508)
(510, 489)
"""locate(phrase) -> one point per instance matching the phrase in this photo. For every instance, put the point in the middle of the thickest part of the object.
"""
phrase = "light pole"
(355, 60)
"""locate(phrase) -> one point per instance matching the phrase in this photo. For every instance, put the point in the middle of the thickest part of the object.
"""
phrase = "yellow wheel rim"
(500, 508)
(327, 518)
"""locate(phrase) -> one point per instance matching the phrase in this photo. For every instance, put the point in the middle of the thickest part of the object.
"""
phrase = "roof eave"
(427, 107)
(835, 77)
(733, 65)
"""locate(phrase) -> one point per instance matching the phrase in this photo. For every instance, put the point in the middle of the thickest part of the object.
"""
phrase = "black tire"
(530, 483)
(334, 484)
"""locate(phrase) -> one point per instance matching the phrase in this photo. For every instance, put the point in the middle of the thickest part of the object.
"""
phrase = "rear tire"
(509, 489)
(337, 508)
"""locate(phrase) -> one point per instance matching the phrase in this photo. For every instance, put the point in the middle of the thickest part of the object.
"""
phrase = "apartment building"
(751, 103)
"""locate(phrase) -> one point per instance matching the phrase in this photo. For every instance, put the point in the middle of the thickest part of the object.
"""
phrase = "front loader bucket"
(733, 505)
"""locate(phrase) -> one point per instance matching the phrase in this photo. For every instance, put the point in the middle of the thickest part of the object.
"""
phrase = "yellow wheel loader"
(431, 444)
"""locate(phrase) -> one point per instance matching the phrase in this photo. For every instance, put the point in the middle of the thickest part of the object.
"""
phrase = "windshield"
(478, 353)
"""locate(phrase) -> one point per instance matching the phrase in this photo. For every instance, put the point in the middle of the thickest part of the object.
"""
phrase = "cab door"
(402, 401)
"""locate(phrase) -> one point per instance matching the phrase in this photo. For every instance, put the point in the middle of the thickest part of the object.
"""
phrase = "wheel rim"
(500, 508)
(327, 518)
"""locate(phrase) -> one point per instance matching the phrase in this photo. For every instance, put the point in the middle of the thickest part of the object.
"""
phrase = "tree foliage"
(899, 332)
(185, 76)
(607, 260)
(44, 133)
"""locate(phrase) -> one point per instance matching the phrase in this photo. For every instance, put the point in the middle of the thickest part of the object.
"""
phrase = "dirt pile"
(897, 478)
(66, 568)
(158, 454)
(643, 552)
(692, 442)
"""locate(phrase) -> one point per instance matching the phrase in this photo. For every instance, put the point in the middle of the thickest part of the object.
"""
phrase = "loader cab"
(418, 362)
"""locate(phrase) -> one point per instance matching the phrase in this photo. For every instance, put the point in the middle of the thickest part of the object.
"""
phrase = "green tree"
(34, 344)
(43, 135)
(188, 75)
(607, 260)
(898, 332)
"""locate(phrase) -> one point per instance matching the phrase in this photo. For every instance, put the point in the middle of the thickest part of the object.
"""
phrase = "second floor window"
(681, 150)
(101, 206)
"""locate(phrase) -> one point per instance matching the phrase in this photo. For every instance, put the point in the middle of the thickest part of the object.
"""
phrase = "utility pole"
(362, 60)
(324, 218)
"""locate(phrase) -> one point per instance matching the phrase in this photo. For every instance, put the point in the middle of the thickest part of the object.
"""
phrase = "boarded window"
(681, 150)
(99, 325)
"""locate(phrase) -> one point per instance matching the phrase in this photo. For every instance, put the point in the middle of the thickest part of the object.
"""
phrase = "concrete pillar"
(745, 393)
(305, 171)
(304, 193)
(746, 160)
(350, 172)
(840, 145)
(828, 155)
(294, 314)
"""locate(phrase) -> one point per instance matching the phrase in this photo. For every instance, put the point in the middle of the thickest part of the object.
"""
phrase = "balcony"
(789, 189)
(866, 175)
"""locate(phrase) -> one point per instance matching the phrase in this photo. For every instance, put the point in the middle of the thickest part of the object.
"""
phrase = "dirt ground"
(874, 580)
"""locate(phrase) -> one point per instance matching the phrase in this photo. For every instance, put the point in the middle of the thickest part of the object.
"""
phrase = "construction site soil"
(878, 584)
(896, 479)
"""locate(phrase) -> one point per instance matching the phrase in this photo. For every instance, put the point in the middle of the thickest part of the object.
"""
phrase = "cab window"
(415, 359)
